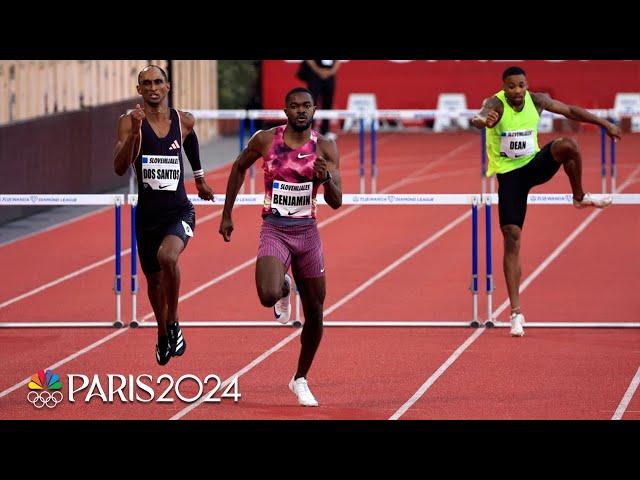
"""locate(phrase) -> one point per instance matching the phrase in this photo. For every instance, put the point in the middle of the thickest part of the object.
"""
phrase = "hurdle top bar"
(399, 114)
(389, 114)
(347, 199)
(219, 114)
(567, 198)
(414, 199)
(60, 199)
(320, 114)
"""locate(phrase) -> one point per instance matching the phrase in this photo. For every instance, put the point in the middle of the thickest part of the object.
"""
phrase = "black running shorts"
(514, 186)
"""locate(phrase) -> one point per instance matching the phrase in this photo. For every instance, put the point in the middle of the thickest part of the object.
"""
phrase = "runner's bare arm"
(187, 121)
(573, 112)
(327, 165)
(128, 143)
(489, 114)
(247, 157)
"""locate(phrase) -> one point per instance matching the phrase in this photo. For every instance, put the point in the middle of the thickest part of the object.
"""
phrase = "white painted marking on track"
(237, 268)
(563, 245)
(545, 263)
(393, 265)
(61, 279)
(626, 399)
(111, 258)
(437, 374)
(85, 269)
(67, 359)
(57, 225)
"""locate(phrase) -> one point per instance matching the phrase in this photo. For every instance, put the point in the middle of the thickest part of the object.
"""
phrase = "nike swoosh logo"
(303, 156)
(293, 213)
(164, 186)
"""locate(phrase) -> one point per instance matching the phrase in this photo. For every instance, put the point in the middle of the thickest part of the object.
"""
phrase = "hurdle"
(117, 201)
(565, 199)
(472, 200)
(365, 118)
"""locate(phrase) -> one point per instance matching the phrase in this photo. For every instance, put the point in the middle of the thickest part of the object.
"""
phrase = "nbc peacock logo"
(44, 389)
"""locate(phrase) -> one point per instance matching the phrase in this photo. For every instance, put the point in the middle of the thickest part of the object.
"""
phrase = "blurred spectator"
(320, 77)
(255, 99)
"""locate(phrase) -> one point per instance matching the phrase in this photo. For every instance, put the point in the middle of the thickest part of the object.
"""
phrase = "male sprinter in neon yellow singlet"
(511, 117)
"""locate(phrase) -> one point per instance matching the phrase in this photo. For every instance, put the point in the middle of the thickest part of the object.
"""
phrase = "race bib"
(161, 172)
(291, 199)
(517, 143)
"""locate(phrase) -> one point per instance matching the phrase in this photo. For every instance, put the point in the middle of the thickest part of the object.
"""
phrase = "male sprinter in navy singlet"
(152, 138)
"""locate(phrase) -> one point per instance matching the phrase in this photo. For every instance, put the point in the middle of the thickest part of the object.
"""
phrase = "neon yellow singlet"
(513, 141)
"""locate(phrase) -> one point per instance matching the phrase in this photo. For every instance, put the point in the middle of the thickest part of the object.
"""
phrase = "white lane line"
(112, 257)
(67, 359)
(53, 227)
(400, 261)
(206, 285)
(626, 399)
(332, 308)
(237, 268)
(85, 269)
(432, 379)
(558, 250)
(423, 389)
(60, 280)
(239, 373)
(437, 374)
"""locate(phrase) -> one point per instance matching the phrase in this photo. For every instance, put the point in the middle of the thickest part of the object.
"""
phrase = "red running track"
(359, 373)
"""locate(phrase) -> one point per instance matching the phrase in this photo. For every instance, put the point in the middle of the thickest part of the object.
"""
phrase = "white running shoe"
(282, 308)
(589, 201)
(517, 320)
(301, 389)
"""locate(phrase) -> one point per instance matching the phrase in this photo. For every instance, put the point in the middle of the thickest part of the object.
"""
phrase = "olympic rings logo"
(40, 399)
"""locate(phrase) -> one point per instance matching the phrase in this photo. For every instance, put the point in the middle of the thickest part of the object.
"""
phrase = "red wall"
(417, 83)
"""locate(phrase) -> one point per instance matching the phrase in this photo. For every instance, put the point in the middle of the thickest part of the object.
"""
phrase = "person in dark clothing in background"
(320, 76)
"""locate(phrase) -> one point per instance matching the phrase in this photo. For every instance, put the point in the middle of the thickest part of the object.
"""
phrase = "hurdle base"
(134, 324)
(474, 324)
(489, 324)
(118, 324)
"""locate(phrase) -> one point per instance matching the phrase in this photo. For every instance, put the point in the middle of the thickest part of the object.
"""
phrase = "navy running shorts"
(149, 238)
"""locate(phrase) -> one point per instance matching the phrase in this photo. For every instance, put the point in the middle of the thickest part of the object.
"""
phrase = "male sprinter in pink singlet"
(297, 160)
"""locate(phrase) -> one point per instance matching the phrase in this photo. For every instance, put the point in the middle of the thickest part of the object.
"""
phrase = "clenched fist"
(137, 116)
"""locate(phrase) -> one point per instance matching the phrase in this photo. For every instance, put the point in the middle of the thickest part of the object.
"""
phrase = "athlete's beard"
(513, 103)
(297, 128)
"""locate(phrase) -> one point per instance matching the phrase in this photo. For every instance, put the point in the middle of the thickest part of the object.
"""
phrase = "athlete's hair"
(164, 74)
(296, 90)
(512, 71)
